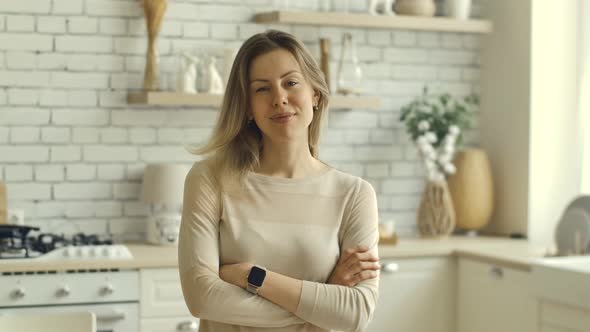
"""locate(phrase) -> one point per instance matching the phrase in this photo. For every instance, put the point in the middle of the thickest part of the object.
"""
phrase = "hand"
(355, 265)
(236, 274)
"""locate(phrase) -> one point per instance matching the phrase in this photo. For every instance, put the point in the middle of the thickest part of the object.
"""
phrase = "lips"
(282, 116)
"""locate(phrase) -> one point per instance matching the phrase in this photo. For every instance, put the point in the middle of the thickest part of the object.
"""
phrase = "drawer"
(565, 317)
(168, 324)
(161, 294)
(491, 275)
(95, 287)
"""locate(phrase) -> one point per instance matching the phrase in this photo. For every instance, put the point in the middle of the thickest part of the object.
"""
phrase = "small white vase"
(186, 77)
(215, 83)
(458, 9)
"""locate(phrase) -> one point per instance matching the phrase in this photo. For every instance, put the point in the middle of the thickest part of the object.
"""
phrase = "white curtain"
(584, 89)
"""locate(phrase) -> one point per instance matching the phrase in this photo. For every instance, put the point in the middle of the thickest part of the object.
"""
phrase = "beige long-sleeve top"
(296, 227)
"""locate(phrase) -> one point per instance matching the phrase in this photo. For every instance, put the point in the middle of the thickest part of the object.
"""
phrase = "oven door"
(111, 317)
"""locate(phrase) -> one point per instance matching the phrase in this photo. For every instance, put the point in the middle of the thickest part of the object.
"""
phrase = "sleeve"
(347, 308)
(206, 295)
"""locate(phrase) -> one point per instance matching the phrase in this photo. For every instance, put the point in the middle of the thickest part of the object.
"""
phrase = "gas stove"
(112, 294)
(17, 244)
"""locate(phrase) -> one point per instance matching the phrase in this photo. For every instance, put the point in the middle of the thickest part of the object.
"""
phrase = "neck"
(288, 159)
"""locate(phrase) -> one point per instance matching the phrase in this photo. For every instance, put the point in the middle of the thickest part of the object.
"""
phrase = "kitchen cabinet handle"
(64, 291)
(390, 267)
(107, 290)
(496, 272)
(19, 293)
(187, 326)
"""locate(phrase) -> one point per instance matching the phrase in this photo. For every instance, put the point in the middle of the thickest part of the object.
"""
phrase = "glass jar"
(349, 75)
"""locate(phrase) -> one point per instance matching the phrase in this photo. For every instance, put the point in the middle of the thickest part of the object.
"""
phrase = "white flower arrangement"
(436, 125)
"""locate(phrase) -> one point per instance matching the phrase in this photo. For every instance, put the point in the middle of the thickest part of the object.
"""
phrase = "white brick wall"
(51, 24)
(26, 6)
(21, 60)
(26, 42)
(20, 23)
(73, 152)
(49, 173)
(18, 173)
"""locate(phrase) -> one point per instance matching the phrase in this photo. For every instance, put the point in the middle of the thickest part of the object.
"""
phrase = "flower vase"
(436, 214)
(415, 7)
(471, 189)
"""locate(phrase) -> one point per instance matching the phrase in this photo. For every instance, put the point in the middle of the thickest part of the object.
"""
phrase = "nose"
(279, 97)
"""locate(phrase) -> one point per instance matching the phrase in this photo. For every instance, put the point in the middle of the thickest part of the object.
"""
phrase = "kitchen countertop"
(513, 253)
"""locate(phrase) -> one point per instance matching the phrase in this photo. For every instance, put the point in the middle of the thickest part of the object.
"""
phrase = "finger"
(352, 250)
(360, 256)
(362, 266)
(365, 275)
(355, 279)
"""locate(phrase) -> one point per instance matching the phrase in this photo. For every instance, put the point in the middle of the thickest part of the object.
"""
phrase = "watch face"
(256, 276)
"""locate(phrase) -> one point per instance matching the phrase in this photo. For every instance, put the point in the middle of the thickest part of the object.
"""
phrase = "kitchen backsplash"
(72, 151)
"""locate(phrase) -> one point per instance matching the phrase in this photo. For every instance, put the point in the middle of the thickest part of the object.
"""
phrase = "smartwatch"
(256, 278)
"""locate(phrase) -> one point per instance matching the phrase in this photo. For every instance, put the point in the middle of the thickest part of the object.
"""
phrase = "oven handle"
(110, 315)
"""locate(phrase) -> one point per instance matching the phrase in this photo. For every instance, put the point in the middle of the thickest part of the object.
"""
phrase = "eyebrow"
(285, 74)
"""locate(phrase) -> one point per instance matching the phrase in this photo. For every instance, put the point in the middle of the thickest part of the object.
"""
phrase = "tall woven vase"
(436, 215)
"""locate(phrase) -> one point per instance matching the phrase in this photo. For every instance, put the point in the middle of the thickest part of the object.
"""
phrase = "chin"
(287, 135)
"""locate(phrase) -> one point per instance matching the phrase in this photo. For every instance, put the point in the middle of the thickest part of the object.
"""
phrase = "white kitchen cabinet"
(494, 298)
(418, 297)
(169, 324)
(162, 306)
(560, 317)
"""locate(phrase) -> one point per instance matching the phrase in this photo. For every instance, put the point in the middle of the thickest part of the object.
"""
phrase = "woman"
(272, 239)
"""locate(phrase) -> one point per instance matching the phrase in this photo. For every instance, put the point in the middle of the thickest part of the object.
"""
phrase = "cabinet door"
(494, 298)
(418, 297)
(161, 294)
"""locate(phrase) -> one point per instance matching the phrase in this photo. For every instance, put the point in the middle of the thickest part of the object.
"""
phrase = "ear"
(316, 97)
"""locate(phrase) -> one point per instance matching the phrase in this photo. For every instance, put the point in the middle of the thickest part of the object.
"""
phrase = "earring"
(315, 108)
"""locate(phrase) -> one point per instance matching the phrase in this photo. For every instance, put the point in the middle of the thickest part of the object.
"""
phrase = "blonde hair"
(235, 144)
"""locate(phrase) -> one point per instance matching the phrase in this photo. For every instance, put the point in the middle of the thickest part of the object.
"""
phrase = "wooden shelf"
(371, 21)
(352, 102)
(170, 98)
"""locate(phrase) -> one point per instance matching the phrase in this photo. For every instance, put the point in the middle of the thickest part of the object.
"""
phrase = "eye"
(262, 88)
(292, 83)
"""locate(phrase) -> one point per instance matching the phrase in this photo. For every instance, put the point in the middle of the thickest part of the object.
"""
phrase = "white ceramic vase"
(215, 83)
(377, 7)
(186, 77)
(458, 9)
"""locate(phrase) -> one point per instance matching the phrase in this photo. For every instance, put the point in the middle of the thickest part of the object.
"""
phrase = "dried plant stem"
(154, 13)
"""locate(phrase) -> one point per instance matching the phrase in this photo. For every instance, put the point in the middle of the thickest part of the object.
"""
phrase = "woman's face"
(281, 99)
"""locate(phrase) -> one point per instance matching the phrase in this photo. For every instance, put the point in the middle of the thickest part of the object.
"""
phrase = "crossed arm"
(212, 291)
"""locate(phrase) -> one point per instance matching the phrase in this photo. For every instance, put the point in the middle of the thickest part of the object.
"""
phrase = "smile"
(283, 118)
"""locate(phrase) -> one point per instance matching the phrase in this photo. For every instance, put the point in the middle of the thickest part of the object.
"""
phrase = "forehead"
(273, 64)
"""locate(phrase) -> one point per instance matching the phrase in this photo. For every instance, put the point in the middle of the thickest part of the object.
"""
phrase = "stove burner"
(21, 246)
(15, 237)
